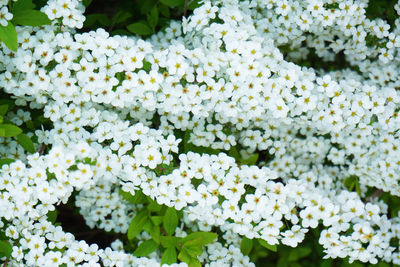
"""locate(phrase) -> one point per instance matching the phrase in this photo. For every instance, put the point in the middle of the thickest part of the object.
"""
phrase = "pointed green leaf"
(206, 237)
(246, 245)
(6, 161)
(173, 3)
(157, 220)
(140, 28)
(152, 230)
(152, 17)
(153, 205)
(52, 216)
(5, 248)
(170, 221)
(168, 241)
(10, 130)
(194, 4)
(26, 142)
(145, 248)
(22, 5)
(169, 256)
(3, 109)
(8, 35)
(30, 17)
(164, 10)
(121, 16)
(194, 250)
(137, 224)
(299, 253)
(186, 257)
(86, 3)
(251, 160)
(138, 198)
(268, 246)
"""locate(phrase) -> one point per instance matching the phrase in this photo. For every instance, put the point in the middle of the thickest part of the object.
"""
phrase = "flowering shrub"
(205, 140)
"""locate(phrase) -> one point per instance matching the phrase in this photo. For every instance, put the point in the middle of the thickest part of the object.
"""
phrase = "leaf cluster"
(161, 222)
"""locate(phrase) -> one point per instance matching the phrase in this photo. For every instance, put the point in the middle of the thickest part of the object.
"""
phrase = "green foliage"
(23, 5)
(173, 3)
(5, 248)
(23, 14)
(160, 222)
(137, 224)
(246, 245)
(145, 248)
(170, 221)
(382, 9)
(352, 183)
(30, 17)
(169, 256)
(5, 161)
(9, 130)
(141, 28)
(140, 17)
(26, 142)
(267, 245)
(8, 35)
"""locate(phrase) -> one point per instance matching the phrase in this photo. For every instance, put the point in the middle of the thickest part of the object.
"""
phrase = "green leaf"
(22, 5)
(10, 130)
(120, 32)
(350, 182)
(138, 198)
(173, 3)
(153, 206)
(30, 17)
(146, 5)
(137, 224)
(170, 221)
(234, 153)
(86, 3)
(299, 253)
(26, 142)
(6, 161)
(3, 109)
(99, 18)
(52, 216)
(168, 241)
(194, 250)
(8, 35)
(5, 248)
(246, 245)
(193, 5)
(152, 17)
(169, 256)
(206, 237)
(152, 230)
(164, 10)
(140, 28)
(145, 248)
(186, 257)
(250, 160)
(121, 16)
(268, 246)
(358, 188)
(157, 220)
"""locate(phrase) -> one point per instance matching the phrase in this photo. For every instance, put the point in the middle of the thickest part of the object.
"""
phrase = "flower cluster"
(228, 78)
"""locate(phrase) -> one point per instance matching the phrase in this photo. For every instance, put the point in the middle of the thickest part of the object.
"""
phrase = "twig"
(6, 262)
(42, 149)
(185, 8)
(376, 194)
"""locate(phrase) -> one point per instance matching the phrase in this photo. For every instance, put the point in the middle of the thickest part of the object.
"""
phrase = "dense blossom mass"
(227, 77)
